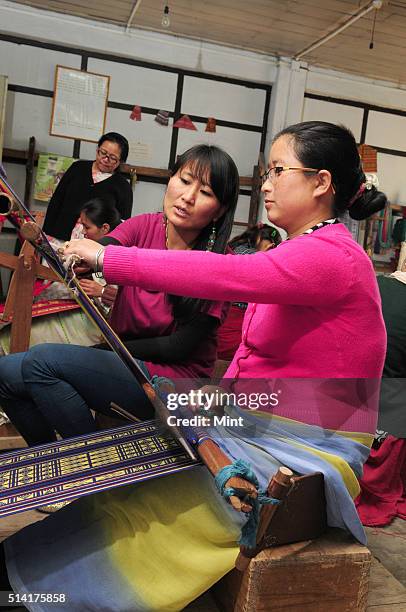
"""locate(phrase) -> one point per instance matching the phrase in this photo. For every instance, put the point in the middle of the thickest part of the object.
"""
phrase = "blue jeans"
(53, 387)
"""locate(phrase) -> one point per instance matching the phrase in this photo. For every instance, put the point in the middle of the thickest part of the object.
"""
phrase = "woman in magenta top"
(53, 387)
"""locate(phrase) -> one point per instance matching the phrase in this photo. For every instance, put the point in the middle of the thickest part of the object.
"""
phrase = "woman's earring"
(212, 238)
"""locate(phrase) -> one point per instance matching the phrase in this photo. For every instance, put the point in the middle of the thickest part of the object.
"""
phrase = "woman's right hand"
(91, 287)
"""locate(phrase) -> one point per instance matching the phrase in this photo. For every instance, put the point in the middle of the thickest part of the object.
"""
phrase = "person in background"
(97, 218)
(398, 238)
(259, 237)
(85, 180)
(383, 484)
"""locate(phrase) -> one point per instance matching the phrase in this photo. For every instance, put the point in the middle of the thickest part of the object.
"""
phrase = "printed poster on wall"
(80, 104)
(50, 170)
(139, 153)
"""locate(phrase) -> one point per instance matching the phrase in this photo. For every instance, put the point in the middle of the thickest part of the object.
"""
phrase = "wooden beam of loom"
(18, 306)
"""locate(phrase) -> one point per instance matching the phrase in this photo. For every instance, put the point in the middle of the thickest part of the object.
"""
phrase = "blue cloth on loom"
(263, 441)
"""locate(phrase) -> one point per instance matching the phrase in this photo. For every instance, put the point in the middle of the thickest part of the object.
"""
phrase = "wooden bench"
(329, 574)
(10, 438)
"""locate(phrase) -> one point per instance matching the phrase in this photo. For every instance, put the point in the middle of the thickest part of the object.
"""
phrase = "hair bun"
(367, 203)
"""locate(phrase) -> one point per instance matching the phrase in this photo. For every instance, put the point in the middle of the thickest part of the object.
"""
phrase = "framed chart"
(79, 104)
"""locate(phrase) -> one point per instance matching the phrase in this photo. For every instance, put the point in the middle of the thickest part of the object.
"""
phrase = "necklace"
(166, 232)
(318, 226)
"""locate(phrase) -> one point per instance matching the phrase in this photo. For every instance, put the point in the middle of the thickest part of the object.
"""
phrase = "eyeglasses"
(275, 171)
(103, 153)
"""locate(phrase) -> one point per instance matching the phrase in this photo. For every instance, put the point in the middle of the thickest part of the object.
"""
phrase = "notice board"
(79, 104)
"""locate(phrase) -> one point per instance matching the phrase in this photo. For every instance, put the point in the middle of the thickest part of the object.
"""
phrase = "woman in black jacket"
(85, 180)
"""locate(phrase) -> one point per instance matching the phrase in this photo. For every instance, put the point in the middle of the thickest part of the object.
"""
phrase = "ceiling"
(282, 28)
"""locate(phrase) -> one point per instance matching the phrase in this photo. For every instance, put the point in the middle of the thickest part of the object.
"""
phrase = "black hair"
(211, 165)
(101, 210)
(118, 139)
(256, 233)
(326, 146)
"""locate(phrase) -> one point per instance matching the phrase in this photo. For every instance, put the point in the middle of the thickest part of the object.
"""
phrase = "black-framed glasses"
(103, 153)
(275, 171)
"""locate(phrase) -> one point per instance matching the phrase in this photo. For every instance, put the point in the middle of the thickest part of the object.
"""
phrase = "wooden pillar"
(24, 278)
(3, 97)
(29, 171)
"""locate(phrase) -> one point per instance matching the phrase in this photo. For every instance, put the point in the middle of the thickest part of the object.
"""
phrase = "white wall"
(350, 116)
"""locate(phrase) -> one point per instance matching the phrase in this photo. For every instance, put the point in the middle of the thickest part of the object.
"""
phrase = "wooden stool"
(10, 438)
(328, 574)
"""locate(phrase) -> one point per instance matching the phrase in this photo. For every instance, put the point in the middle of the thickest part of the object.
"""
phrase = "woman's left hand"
(86, 250)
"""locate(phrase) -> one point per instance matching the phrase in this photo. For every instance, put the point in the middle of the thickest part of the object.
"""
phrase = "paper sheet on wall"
(79, 106)
(139, 154)
(50, 170)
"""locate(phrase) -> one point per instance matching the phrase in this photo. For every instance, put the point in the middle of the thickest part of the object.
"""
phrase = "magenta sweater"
(138, 313)
(314, 307)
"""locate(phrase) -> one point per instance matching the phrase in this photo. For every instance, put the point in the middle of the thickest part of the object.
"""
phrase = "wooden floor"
(388, 578)
(387, 592)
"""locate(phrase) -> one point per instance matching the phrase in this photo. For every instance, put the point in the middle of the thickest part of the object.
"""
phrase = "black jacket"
(75, 189)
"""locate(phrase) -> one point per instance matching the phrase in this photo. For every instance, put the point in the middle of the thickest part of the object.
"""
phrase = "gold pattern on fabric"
(95, 462)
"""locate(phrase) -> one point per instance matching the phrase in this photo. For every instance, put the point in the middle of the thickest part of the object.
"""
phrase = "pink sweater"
(314, 309)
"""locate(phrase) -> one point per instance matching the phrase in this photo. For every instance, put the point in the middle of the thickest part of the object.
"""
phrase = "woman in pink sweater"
(314, 313)
(314, 303)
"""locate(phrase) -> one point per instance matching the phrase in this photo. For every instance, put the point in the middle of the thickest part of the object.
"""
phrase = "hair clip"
(371, 180)
(359, 191)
